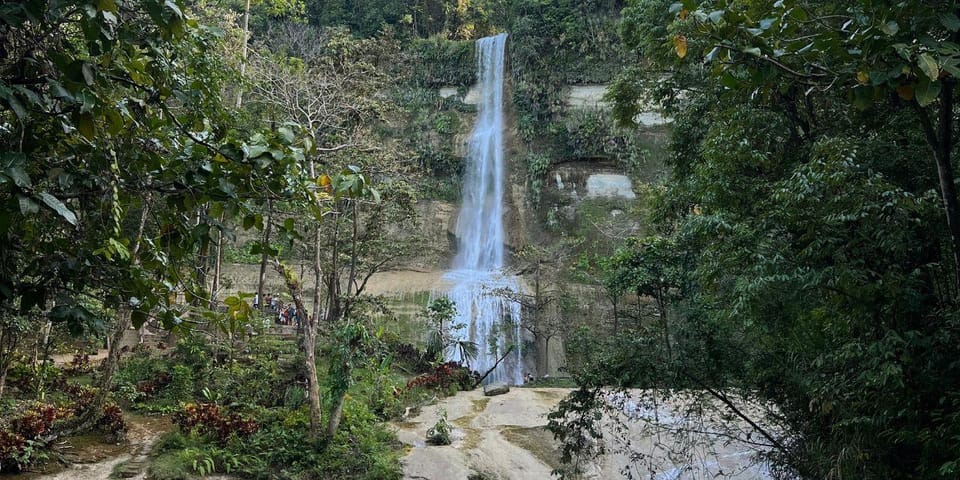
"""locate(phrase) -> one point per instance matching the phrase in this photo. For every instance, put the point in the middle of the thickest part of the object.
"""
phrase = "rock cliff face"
(590, 201)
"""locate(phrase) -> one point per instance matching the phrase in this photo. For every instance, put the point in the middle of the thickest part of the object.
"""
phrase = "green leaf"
(17, 106)
(86, 126)
(254, 151)
(716, 15)
(58, 206)
(173, 7)
(950, 21)
(926, 92)
(286, 134)
(88, 73)
(19, 176)
(929, 66)
(890, 28)
(27, 205)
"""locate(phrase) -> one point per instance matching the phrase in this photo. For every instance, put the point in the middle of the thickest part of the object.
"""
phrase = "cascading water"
(481, 288)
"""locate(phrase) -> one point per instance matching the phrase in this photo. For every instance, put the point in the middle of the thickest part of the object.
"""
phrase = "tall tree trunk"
(8, 345)
(243, 54)
(217, 267)
(317, 274)
(264, 257)
(203, 260)
(94, 409)
(664, 323)
(940, 140)
(3, 377)
(333, 276)
(309, 348)
(354, 241)
(333, 423)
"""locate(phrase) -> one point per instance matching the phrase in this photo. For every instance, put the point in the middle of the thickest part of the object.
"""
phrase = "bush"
(439, 433)
(209, 419)
(445, 376)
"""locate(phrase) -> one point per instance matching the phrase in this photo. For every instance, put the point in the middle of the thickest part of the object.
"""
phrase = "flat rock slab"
(495, 389)
(504, 438)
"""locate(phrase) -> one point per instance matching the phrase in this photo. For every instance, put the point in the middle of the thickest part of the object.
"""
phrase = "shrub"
(444, 376)
(210, 419)
(439, 433)
(112, 422)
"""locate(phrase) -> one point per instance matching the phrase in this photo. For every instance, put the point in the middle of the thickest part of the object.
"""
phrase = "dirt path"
(91, 459)
(504, 438)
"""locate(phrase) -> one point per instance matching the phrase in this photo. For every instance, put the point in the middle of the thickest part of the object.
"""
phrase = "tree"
(332, 87)
(819, 273)
(116, 138)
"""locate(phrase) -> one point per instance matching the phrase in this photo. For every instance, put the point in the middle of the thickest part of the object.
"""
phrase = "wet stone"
(495, 389)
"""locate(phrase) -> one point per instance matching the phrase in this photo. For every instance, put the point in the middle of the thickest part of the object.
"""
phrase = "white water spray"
(492, 322)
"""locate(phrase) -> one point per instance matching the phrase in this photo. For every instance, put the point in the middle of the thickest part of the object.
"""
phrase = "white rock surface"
(610, 185)
(471, 98)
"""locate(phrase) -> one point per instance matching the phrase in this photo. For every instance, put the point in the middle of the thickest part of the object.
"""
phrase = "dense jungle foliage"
(803, 258)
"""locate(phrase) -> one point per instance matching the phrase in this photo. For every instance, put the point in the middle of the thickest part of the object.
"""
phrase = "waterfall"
(489, 319)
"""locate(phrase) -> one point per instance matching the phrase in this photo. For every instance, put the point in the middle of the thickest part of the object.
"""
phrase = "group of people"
(286, 314)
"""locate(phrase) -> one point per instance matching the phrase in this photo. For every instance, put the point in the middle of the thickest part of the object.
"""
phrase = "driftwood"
(494, 367)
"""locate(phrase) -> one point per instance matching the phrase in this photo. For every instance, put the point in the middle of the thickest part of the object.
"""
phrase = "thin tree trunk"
(333, 423)
(264, 257)
(243, 54)
(3, 377)
(94, 409)
(945, 170)
(317, 274)
(333, 282)
(309, 347)
(546, 355)
(494, 367)
(203, 257)
(217, 267)
(662, 307)
(941, 141)
(353, 251)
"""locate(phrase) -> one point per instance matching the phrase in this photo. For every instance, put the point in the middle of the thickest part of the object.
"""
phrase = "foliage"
(812, 267)
(439, 433)
(444, 376)
(211, 419)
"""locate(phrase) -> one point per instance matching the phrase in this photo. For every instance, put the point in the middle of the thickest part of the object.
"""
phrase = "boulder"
(495, 389)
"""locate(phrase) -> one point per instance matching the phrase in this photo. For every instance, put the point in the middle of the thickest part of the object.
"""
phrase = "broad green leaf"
(27, 205)
(926, 92)
(950, 21)
(173, 7)
(254, 151)
(716, 15)
(286, 134)
(929, 66)
(58, 206)
(19, 176)
(86, 126)
(890, 28)
(88, 73)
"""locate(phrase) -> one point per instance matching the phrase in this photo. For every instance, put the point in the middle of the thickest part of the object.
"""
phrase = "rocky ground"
(503, 437)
